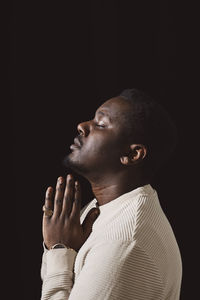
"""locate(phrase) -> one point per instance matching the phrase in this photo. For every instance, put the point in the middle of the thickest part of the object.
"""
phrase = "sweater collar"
(143, 190)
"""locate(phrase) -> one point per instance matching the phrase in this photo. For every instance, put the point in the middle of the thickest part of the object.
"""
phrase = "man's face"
(101, 141)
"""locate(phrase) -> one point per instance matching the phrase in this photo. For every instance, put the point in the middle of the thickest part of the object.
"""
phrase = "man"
(120, 245)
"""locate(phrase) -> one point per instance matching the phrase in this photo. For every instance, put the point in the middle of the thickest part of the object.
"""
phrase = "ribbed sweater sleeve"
(116, 270)
(57, 273)
(112, 270)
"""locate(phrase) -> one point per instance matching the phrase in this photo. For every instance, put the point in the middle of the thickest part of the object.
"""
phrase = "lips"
(77, 144)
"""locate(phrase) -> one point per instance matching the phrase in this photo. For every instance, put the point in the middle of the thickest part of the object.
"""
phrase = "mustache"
(79, 138)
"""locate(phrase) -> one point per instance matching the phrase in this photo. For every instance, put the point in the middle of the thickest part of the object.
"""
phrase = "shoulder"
(125, 221)
(121, 218)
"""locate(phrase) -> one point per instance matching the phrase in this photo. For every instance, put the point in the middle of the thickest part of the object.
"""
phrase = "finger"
(77, 201)
(58, 197)
(48, 204)
(68, 196)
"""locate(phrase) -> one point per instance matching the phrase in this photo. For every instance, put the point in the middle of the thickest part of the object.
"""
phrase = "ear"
(136, 154)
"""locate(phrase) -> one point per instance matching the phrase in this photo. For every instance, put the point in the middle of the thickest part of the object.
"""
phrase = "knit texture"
(131, 254)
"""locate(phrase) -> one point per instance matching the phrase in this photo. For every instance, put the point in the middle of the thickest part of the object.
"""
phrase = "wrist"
(56, 246)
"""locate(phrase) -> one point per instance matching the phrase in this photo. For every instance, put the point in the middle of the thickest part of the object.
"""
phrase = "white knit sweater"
(131, 254)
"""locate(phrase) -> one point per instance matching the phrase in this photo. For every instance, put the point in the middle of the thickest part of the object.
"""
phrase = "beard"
(74, 165)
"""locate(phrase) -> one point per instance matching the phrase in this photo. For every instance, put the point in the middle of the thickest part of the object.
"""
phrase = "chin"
(70, 162)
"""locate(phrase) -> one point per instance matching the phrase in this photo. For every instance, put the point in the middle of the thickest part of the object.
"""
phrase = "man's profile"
(120, 245)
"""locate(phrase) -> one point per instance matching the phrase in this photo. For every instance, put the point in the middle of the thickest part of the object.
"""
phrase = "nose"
(83, 128)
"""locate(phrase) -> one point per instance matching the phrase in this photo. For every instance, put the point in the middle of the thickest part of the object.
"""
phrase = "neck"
(111, 187)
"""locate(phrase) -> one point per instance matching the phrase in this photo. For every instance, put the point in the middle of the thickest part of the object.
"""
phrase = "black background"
(67, 57)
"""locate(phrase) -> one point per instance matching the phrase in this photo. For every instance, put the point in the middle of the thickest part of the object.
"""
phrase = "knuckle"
(67, 198)
(54, 219)
(58, 201)
(70, 183)
(59, 188)
(76, 200)
(66, 217)
(68, 209)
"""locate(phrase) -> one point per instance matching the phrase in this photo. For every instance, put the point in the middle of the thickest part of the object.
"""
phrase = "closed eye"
(100, 124)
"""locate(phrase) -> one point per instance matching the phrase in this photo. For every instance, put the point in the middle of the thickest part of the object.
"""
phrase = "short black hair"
(149, 123)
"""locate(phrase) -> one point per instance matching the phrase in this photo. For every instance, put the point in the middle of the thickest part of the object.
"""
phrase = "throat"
(106, 193)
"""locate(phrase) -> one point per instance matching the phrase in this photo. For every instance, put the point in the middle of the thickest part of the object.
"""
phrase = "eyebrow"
(104, 114)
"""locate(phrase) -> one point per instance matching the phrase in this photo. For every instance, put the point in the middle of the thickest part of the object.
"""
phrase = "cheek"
(106, 146)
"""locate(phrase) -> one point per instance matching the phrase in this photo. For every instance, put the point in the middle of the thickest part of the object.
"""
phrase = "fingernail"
(76, 184)
(48, 191)
(69, 176)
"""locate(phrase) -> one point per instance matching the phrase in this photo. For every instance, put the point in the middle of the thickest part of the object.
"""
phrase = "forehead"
(115, 107)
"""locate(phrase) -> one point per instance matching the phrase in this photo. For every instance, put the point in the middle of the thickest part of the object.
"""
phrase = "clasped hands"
(64, 226)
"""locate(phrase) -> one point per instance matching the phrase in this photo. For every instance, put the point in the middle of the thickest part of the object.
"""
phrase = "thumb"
(89, 220)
